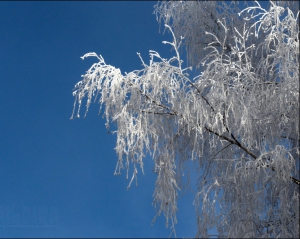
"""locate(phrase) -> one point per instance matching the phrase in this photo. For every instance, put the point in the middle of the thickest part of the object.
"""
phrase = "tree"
(238, 119)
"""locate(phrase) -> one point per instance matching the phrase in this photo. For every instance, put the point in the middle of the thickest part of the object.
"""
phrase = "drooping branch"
(245, 149)
(245, 89)
(231, 141)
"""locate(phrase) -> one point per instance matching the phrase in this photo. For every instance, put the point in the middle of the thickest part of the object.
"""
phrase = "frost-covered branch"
(238, 118)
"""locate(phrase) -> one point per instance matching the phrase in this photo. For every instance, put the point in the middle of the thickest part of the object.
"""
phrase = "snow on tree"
(238, 119)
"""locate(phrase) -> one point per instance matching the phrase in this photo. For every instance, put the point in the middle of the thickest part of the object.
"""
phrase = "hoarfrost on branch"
(238, 120)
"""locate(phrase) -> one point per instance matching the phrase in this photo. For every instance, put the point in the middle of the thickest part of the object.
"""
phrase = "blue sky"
(56, 174)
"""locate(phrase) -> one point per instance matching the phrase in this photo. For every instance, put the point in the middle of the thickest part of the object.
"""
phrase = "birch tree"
(237, 120)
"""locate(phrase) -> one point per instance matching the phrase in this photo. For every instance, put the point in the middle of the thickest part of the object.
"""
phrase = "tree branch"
(232, 141)
(286, 137)
(294, 180)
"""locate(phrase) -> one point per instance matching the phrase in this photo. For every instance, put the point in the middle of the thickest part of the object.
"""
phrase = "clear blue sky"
(56, 174)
